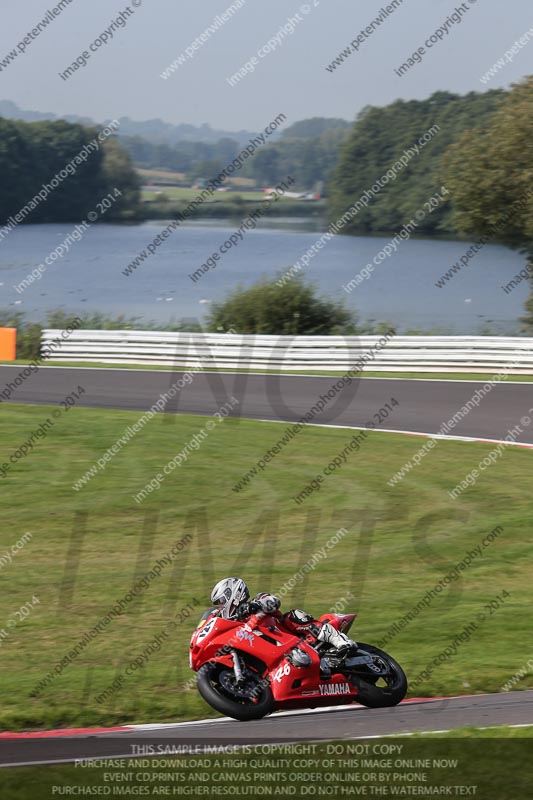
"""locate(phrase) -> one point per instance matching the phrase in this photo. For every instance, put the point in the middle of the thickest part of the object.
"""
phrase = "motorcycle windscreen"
(205, 616)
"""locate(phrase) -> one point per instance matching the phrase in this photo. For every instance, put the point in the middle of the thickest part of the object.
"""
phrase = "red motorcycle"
(249, 669)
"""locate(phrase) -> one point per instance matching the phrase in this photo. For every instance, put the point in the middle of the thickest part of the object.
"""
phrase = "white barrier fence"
(281, 353)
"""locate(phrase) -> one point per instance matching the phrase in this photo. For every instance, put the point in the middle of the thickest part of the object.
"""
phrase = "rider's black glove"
(246, 609)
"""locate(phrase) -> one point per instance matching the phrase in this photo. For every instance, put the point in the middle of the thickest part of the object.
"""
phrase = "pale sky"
(123, 77)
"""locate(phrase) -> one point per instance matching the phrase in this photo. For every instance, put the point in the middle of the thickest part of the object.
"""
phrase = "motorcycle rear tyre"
(376, 696)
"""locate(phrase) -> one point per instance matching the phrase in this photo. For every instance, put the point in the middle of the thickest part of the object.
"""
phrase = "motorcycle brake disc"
(227, 680)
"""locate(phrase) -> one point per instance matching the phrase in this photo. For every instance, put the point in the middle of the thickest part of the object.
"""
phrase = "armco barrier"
(297, 353)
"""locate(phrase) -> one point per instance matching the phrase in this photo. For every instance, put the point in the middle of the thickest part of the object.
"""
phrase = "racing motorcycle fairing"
(342, 622)
(289, 663)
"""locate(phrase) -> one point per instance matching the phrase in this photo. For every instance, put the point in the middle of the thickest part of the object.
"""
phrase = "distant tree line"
(482, 153)
(194, 158)
(154, 130)
(308, 149)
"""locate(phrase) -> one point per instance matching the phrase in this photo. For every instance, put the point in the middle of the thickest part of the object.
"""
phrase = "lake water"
(401, 290)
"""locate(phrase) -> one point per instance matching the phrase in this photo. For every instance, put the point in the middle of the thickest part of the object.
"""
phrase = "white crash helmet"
(228, 594)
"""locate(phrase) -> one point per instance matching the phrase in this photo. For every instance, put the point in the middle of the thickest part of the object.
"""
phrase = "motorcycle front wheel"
(383, 685)
(218, 686)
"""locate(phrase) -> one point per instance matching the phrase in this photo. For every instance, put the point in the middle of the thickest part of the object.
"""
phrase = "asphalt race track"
(424, 405)
(511, 708)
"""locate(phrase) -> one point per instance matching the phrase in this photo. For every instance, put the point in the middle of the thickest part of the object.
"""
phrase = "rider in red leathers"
(231, 598)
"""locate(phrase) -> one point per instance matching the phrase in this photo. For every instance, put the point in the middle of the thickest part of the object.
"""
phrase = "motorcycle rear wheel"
(374, 696)
(215, 682)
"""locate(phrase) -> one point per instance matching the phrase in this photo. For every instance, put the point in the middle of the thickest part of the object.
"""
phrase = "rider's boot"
(343, 645)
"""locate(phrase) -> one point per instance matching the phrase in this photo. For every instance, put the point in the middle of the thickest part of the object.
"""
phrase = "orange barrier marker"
(8, 344)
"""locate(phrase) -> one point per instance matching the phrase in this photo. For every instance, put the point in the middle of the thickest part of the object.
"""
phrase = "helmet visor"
(224, 598)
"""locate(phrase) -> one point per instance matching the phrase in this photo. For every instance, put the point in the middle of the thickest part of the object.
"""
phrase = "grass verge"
(88, 548)
(456, 376)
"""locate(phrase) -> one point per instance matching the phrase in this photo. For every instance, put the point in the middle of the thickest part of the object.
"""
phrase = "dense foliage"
(379, 138)
(33, 154)
(294, 308)
(490, 174)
